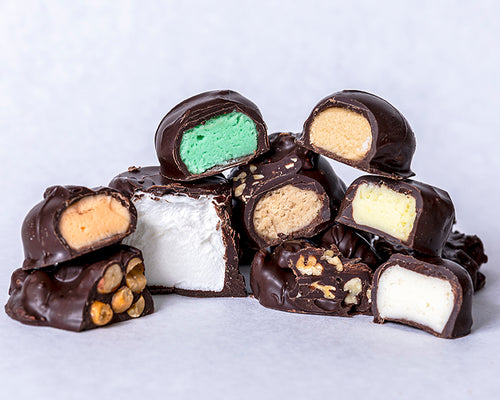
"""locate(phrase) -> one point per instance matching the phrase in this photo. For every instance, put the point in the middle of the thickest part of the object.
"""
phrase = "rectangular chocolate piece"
(68, 223)
(184, 231)
(94, 290)
(298, 277)
(431, 294)
(407, 212)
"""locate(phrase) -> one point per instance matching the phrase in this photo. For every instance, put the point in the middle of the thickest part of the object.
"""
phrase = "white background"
(83, 86)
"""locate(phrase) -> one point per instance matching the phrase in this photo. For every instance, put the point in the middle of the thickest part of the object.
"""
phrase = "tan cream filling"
(93, 219)
(342, 132)
(382, 208)
(285, 210)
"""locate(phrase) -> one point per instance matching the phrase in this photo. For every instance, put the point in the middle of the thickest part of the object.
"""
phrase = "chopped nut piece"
(294, 159)
(354, 287)
(258, 176)
(330, 259)
(135, 278)
(311, 267)
(240, 176)
(369, 295)
(137, 308)
(288, 166)
(101, 313)
(110, 280)
(122, 299)
(253, 168)
(239, 190)
(326, 289)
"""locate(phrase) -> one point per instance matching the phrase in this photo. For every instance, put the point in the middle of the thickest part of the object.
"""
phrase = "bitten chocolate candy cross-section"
(430, 294)
(94, 290)
(209, 133)
(298, 277)
(361, 130)
(72, 221)
(411, 213)
(287, 193)
(184, 230)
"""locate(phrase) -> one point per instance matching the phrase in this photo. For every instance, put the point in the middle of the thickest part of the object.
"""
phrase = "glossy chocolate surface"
(278, 283)
(393, 141)
(193, 112)
(435, 213)
(61, 296)
(149, 180)
(287, 163)
(460, 321)
(42, 241)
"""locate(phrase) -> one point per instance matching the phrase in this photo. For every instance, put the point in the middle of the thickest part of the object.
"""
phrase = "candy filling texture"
(92, 220)
(181, 241)
(342, 132)
(382, 208)
(285, 210)
(403, 294)
(218, 141)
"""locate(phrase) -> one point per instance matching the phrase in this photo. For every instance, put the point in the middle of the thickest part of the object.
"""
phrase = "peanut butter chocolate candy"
(94, 290)
(431, 294)
(361, 130)
(72, 221)
(289, 192)
(184, 230)
(298, 277)
(209, 133)
(407, 212)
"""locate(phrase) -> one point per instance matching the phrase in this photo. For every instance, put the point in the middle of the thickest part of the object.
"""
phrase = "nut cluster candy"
(224, 193)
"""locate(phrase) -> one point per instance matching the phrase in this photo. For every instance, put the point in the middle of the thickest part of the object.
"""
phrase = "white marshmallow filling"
(181, 241)
(382, 208)
(403, 294)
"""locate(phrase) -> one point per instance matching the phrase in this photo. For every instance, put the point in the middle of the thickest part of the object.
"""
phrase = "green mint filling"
(218, 141)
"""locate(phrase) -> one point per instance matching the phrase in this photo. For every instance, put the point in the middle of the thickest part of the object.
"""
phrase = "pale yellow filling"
(342, 132)
(285, 210)
(384, 209)
(93, 219)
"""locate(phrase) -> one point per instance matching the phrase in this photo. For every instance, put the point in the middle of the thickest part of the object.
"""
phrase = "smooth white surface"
(83, 86)
(408, 295)
(181, 241)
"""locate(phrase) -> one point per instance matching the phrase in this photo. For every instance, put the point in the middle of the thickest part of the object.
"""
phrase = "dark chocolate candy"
(298, 277)
(147, 183)
(405, 297)
(433, 211)
(392, 140)
(289, 172)
(195, 111)
(97, 289)
(351, 244)
(52, 232)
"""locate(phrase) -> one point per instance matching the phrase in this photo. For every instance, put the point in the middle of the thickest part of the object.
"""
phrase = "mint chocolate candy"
(209, 133)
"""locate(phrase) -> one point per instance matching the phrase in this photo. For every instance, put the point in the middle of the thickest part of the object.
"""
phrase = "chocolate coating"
(460, 321)
(42, 241)
(393, 141)
(149, 180)
(435, 213)
(351, 244)
(193, 112)
(278, 281)
(287, 163)
(61, 296)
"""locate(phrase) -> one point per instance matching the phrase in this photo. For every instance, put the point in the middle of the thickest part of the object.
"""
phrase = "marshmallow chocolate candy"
(407, 212)
(209, 133)
(431, 294)
(363, 131)
(72, 221)
(289, 192)
(351, 243)
(184, 230)
(298, 277)
(97, 289)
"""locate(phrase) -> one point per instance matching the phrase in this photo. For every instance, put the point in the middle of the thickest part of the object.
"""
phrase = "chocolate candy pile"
(384, 246)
